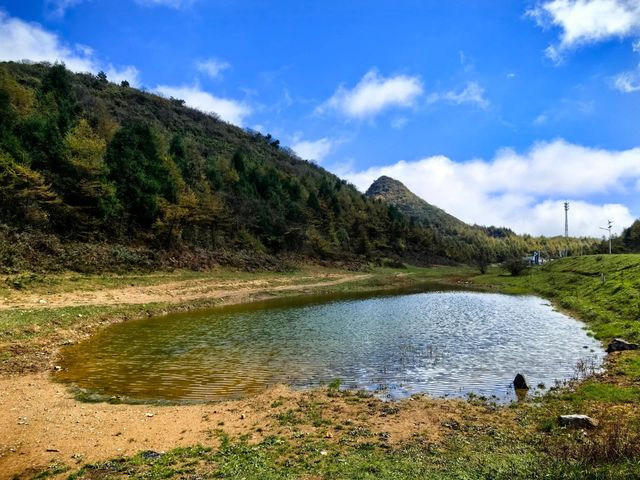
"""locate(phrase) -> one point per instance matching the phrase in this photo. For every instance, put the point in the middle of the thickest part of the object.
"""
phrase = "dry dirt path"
(176, 292)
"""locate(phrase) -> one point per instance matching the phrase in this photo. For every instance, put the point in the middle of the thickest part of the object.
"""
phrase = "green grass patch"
(594, 391)
(488, 454)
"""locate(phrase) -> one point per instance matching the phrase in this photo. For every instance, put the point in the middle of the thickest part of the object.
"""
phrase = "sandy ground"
(175, 292)
(39, 353)
(41, 422)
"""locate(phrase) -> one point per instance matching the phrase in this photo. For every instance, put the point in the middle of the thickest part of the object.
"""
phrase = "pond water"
(444, 343)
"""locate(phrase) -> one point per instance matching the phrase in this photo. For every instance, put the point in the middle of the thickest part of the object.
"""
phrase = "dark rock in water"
(577, 421)
(520, 383)
(151, 454)
(620, 344)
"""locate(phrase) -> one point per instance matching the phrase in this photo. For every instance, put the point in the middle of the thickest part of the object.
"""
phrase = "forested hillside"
(95, 176)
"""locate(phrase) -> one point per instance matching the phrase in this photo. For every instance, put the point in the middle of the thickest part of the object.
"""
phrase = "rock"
(149, 414)
(620, 344)
(151, 454)
(577, 421)
(520, 383)
(57, 368)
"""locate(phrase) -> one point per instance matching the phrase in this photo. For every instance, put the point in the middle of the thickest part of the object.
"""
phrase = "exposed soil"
(38, 354)
(41, 422)
(176, 292)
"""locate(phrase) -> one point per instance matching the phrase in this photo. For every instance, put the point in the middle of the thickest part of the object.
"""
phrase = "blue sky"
(495, 110)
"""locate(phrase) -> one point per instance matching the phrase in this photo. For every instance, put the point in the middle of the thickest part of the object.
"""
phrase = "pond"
(443, 343)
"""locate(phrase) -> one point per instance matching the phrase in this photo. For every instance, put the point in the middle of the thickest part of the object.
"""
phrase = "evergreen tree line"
(88, 161)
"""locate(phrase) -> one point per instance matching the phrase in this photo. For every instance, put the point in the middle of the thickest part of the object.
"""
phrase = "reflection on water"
(441, 343)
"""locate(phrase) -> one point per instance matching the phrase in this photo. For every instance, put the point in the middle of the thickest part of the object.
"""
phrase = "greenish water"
(441, 343)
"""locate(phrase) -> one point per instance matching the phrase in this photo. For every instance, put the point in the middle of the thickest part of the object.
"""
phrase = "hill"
(95, 176)
(474, 243)
(413, 207)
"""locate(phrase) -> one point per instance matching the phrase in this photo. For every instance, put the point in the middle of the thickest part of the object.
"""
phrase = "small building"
(534, 258)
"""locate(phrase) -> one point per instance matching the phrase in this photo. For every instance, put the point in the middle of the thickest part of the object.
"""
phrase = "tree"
(515, 265)
(25, 198)
(141, 172)
(94, 193)
(57, 85)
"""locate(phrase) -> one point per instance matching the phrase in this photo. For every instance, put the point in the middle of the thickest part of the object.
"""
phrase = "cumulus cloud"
(373, 94)
(316, 150)
(472, 94)
(20, 40)
(524, 191)
(587, 21)
(213, 68)
(229, 110)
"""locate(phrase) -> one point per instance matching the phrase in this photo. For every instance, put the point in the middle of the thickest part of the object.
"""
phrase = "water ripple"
(441, 343)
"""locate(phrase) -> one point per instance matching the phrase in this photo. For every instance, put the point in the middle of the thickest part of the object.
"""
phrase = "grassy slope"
(529, 446)
(611, 308)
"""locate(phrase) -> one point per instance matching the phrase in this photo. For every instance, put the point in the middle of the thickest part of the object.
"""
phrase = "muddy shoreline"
(43, 424)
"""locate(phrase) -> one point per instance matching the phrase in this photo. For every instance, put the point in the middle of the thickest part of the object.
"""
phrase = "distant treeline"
(95, 175)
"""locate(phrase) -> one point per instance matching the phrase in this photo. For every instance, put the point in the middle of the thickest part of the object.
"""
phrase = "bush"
(515, 265)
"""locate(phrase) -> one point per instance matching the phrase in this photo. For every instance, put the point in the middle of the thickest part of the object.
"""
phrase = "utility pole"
(565, 253)
(608, 227)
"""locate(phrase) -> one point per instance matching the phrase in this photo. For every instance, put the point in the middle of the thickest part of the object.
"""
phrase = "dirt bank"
(42, 423)
(176, 292)
(40, 320)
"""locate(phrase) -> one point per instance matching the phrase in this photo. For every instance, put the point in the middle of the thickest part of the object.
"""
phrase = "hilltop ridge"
(397, 194)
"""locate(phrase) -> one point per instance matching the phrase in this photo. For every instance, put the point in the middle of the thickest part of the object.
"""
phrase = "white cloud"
(130, 74)
(373, 94)
(541, 119)
(522, 191)
(20, 40)
(399, 123)
(213, 68)
(628, 82)
(587, 21)
(58, 8)
(229, 110)
(472, 94)
(316, 150)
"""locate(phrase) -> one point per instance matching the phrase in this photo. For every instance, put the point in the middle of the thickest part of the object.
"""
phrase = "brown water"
(440, 343)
